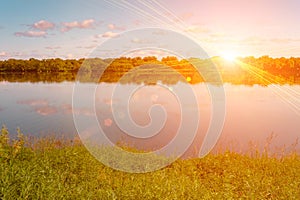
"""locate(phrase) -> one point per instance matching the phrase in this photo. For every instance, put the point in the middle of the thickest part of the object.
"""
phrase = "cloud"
(187, 15)
(284, 40)
(137, 22)
(40, 29)
(40, 106)
(18, 54)
(3, 53)
(87, 47)
(108, 122)
(196, 29)
(31, 34)
(85, 24)
(43, 25)
(218, 35)
(34, 102)
(67, 109)
(114, 27)
(70, 56)
(143, 53)
(265, 41)
(46, 110)
(108, 34)
(53, 47)
(141, 41)
(160, 32)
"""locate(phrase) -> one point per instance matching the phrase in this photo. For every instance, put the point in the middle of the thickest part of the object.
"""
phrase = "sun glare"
(229, 56)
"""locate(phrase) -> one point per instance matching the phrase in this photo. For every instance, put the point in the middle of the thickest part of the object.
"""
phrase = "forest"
(149, 70)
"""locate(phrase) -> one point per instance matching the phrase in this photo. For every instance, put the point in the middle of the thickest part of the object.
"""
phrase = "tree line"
(248, 70)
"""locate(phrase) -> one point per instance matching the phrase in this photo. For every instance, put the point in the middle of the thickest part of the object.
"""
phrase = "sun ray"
(173, 22)
(289, 96)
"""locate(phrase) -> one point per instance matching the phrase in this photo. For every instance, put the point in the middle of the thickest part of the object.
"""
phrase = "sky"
(74, 28)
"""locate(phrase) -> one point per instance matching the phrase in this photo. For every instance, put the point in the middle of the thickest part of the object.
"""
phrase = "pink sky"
(51, 29)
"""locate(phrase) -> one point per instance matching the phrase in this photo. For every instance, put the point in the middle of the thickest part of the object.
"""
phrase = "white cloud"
(114, 27)
(107, 34)
(31, 34)
(85, 24)
(43, 25)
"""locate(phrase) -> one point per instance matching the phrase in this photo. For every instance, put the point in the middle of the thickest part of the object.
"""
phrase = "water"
(253, 114)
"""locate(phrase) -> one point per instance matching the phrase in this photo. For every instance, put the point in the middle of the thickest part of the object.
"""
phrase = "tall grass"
(57, 169)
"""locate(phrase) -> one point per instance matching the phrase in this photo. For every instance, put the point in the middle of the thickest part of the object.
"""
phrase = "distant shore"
(149, 70)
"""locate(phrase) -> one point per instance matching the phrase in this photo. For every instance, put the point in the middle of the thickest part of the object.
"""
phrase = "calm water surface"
(252, 113)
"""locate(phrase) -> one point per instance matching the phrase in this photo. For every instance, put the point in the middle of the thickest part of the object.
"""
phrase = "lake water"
(252, 114)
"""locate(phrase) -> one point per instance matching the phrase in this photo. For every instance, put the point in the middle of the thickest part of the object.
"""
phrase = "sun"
(229, 56)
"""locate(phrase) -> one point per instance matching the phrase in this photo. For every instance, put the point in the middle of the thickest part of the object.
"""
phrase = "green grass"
(55, 169)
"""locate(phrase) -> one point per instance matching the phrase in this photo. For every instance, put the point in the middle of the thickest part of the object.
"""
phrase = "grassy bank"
(53, 169)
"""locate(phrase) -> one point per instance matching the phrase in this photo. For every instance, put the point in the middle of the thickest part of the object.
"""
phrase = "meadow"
(88, 82)
(49, 168)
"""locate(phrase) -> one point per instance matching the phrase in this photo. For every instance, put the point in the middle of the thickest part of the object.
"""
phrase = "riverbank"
(53, 169)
